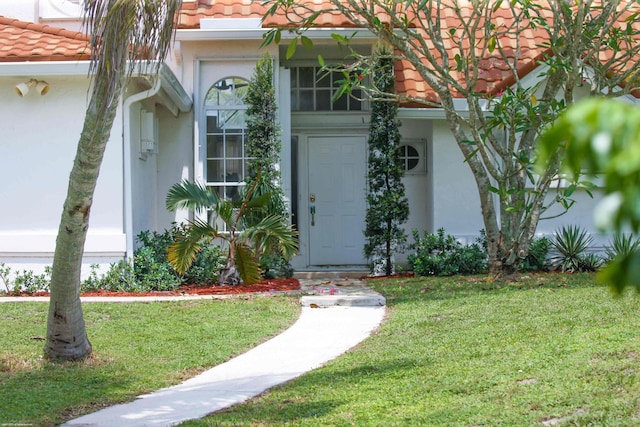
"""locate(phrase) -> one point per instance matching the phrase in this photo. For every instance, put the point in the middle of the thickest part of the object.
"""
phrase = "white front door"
(336, 199)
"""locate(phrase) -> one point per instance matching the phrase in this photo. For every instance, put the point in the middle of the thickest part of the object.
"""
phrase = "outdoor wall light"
(40, 86)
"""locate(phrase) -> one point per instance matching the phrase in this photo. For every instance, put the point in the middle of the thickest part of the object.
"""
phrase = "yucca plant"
(569, 247)
(622, 245)
(246, 242)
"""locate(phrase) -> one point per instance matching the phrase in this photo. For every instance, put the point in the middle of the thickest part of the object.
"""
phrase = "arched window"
(226, 163)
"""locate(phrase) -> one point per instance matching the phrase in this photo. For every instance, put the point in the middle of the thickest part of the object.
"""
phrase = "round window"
(409, 156)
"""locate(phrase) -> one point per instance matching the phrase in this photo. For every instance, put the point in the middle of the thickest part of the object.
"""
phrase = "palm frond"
(247, 264)
(191, 195)
(181, 253)
(274, 234)
(123, 31)
(226, 211)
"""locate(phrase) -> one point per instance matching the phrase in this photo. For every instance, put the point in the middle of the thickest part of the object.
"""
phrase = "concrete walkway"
(337, 314)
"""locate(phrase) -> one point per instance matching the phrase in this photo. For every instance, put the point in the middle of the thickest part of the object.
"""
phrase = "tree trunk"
(66, 332)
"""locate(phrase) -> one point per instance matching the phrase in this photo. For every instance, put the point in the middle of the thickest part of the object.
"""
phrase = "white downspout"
(128, 201)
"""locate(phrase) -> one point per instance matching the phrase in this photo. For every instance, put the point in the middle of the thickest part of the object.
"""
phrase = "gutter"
(169, 91)
(127, 180)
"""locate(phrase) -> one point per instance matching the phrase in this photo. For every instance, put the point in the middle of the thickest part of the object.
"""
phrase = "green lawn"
(138, 348)
(540, 350)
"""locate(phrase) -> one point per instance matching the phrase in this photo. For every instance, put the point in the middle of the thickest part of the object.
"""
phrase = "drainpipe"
(128, 201)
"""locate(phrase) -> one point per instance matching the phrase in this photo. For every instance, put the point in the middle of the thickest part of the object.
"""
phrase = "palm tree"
(121, 31)
(246, 241)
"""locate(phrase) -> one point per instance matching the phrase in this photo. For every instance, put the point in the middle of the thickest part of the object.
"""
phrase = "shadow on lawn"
(52, 393)
(330, 384)
(430, 288)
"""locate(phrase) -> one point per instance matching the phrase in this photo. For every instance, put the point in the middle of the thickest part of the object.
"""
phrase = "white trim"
(257, 34)
(45, 68)
(230, 23)
(32, 244)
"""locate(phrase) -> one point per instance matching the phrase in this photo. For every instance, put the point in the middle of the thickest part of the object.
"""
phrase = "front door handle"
(312, 211)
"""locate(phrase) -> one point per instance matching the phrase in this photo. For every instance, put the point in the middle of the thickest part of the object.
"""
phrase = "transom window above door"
(312, 90)
(226, 136)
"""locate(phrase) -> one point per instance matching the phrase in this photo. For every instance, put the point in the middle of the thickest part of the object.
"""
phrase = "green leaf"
(458, 60)
(321, 61)
(570, 190)
(270, 36)
(306, 42)
(339, 38)
(248, 266)
(491, 45)
(291, 49)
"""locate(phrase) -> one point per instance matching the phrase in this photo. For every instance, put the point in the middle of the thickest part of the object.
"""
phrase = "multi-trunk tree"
(387, 205)
(460, 48)
(120, 32)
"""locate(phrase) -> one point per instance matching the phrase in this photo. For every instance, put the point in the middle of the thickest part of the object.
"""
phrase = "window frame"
(218, 141)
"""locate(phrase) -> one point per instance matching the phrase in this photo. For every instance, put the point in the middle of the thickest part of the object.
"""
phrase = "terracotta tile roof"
(26, 41)
(493, 73)
(493, 76)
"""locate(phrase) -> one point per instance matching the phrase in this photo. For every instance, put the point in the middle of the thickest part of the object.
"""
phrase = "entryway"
(334, 197)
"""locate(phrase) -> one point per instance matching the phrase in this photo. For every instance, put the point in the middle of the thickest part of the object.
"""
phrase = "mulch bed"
(270, 285)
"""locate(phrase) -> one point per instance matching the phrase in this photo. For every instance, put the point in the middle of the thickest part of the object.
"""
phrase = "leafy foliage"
(622, 246)
(24, 282)
(570, 247)
(601, 137)
(150, 270)
(263, 139)
(536, 259)
(442, 254)
(497, 134)
(246, 242)
(387, 205)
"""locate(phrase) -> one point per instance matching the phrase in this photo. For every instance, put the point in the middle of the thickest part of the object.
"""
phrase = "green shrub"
(442, 255)
(5, 271)
(119, 278)
(622, 245)
(275, 266)
(570, 245)
(206, 268)
(150, 270)
(28, 282)
(537, 258)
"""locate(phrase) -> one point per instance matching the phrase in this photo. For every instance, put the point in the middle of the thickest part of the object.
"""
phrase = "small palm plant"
(246, 242)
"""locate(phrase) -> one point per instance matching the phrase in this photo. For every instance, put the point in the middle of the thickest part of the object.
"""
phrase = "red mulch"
(269, 285)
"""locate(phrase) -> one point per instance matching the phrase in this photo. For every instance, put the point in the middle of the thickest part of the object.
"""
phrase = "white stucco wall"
(174, 162)
(456, 205)
(38, 145)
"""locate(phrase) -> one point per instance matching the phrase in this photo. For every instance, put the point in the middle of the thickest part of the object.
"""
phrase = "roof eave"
(45, 68)
(257, 34)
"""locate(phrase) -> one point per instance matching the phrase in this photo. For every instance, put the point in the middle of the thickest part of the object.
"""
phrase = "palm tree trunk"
(66, 332)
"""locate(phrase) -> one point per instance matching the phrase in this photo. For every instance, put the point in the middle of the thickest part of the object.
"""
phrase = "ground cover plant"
(540, 349)
(139, 348)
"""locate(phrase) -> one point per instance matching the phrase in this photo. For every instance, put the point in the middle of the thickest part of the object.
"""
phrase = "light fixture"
(41, 87)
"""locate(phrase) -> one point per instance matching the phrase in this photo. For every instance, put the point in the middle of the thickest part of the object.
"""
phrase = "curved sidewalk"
(334, 318)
